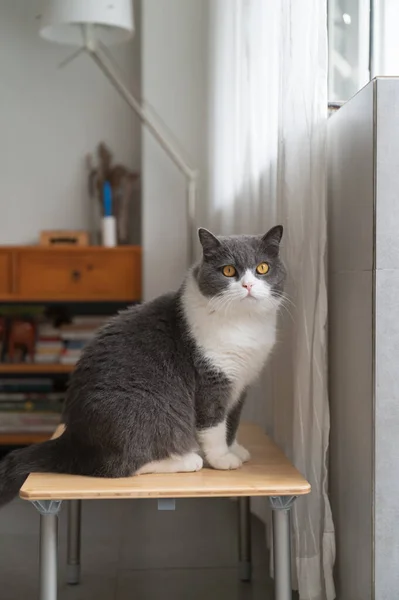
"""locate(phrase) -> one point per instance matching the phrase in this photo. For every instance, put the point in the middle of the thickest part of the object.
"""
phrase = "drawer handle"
(76, 275)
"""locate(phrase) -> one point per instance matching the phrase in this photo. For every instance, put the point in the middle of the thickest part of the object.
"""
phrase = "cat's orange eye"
(229, 271)
(262, 268)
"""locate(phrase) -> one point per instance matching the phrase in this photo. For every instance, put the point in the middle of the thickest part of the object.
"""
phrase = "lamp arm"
(144, 116)
(190, 173)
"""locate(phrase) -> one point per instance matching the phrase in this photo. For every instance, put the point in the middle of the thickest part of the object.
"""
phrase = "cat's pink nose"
(248, 286)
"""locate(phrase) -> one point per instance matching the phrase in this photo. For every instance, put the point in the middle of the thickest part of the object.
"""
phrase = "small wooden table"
(268, 473)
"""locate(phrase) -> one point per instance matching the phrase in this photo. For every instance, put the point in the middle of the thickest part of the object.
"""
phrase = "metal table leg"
(73, 543)
(244, 538)
(281, 506)
(48, 510)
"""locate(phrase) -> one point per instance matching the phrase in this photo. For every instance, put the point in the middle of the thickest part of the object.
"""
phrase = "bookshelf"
(32, 369)
(23, 438)
(65, 276)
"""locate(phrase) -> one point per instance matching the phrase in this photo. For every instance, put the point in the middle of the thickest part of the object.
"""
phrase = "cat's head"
(243, 270)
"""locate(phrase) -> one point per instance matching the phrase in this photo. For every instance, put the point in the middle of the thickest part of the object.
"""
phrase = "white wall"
(49, 120)
(174, 82)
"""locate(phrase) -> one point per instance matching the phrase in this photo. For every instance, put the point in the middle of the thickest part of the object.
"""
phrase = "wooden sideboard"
(65, 275)
(76, 274)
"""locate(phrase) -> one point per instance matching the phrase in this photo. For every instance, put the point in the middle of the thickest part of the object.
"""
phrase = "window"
(348, 46)
(363, 43)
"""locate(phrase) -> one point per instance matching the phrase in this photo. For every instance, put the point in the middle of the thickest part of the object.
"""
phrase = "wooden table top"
(268, 473)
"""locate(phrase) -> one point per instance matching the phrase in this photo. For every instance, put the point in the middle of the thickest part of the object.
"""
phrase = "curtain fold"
(267, 138)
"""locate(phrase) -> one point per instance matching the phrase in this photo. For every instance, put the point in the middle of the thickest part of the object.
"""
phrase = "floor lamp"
(92, 25)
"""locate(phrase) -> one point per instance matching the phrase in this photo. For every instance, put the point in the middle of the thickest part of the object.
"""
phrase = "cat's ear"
(271, 240)
(209, 242)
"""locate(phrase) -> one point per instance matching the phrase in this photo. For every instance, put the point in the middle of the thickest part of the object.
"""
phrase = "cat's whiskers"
(280, 302)
(285, 298)
(229, 299)
(222, 302)
(233, 298)
(217, 302)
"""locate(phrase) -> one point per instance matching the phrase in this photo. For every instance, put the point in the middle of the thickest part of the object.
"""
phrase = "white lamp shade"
(62, 21)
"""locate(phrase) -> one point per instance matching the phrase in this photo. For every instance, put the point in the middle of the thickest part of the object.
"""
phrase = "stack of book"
(26, 385)
(23, 411)
(49, 344)
(76, 335)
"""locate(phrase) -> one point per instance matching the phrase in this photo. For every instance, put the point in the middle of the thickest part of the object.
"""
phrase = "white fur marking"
(240, 451)
(249, 278)
(215, 449)
(174, 464)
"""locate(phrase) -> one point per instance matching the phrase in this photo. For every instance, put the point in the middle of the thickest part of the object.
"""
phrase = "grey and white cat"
(161, 387)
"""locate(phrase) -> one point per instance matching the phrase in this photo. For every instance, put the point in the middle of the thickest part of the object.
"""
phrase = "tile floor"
(131, 550)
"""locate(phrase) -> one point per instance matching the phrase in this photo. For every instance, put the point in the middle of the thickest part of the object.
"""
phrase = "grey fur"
(142, 387)
(233, 419)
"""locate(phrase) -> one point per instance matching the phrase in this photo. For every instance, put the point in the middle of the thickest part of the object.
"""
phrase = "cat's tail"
(51, 456)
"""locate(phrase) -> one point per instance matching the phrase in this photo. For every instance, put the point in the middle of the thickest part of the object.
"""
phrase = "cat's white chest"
(239, 349)
(238, 345)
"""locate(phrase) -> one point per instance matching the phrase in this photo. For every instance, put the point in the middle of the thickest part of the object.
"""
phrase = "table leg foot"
(245, 571)
(48, 552)
(281, 507)
(73, 574)
(244, 539)
(74, 541)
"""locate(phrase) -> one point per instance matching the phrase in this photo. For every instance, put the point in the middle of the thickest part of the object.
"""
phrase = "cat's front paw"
(240, 451)
(225, 462)
(192, 462)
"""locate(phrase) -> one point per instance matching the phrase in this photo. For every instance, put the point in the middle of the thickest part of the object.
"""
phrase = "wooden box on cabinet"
(81, 274)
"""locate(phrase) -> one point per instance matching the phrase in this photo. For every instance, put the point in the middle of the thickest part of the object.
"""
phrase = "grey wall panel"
(351, 450)
(351, 184)
(387, 434)
(387, 340)
(351, 256)
(387, 336)
(363, 165)
(387, 173)
(386, 500)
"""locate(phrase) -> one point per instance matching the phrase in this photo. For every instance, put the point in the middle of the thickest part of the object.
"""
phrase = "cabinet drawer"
(5, 273)
(100, 274)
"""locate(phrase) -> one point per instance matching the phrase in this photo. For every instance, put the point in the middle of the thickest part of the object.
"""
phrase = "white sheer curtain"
(268, 111)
